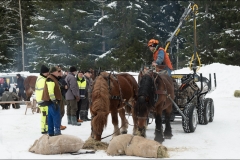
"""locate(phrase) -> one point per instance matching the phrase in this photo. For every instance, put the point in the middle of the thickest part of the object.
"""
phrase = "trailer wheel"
(204, 112)
(211, 110)
(190, 124)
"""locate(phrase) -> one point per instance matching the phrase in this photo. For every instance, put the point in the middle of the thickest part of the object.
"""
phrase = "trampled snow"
(219, 139)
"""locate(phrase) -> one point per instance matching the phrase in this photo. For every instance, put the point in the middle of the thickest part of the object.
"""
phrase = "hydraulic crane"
(192, 8)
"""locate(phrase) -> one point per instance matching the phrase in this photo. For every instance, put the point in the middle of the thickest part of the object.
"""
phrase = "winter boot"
(63, 127)
(74, 121)
(79, 120)
(69, 119)
(86, 116)
(82, 115)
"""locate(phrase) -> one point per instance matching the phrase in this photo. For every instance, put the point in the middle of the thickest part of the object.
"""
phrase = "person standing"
(85, 101)
(63, 87)
(5, 84)
(20, 86)
(52, 96)
(72, 96)
(82, 87)
(40, 82)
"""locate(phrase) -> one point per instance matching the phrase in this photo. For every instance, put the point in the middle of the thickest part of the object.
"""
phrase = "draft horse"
(112, 93)
(29, 85)
(154, 93)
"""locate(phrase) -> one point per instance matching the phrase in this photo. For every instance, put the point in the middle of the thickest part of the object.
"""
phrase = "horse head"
(145, 100)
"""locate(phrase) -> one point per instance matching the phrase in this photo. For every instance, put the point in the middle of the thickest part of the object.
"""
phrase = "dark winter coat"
(62, 84)
(10, 96)
(20, 83)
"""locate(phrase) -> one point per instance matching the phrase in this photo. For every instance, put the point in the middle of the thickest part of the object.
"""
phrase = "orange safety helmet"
(153, 43)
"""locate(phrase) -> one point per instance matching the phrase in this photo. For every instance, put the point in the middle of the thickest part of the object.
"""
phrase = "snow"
(100, 19)
(218, 139)
(112, 4)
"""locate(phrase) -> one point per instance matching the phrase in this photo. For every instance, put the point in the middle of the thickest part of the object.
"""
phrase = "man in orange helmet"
(161, 59)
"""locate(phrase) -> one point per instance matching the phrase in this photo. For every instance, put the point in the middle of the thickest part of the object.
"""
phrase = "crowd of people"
(54, 89)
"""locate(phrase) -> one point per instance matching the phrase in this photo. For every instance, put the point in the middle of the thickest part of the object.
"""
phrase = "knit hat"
(44, 69)
(73, 69)
(53, 69)
(18, 75)
(87, 71)
(81, 72)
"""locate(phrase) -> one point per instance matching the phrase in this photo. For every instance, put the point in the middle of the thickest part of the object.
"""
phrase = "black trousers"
(21, 94)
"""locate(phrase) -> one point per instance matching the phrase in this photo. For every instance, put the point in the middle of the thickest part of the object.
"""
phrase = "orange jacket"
(166, 60)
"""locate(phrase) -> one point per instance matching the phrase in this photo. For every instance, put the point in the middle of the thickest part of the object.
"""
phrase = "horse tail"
(100, 104)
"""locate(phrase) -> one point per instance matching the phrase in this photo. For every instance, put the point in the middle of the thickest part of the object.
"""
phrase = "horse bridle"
(156, 91)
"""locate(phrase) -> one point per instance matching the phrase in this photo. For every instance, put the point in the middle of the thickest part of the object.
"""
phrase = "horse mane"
(146, 90)
(100, 103)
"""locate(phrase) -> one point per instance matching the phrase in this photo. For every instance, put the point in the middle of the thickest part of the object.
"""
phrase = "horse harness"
(113, 97)
(157, 92)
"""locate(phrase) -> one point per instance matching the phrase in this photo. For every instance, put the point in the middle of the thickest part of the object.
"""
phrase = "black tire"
(211, 110)
(204, 112)
(190, 124)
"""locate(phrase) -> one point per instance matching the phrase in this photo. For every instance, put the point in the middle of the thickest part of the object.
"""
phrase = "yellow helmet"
(153, 43)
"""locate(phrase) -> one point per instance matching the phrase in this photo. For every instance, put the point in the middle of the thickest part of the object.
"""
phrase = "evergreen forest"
(113, 34)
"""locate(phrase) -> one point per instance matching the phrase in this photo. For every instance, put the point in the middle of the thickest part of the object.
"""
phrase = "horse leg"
(168, 129)
(159, 129)
(124, 121)
(116, 130)
(28, 93)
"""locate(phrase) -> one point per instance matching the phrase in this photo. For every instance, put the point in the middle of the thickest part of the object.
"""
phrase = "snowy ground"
(217, 140)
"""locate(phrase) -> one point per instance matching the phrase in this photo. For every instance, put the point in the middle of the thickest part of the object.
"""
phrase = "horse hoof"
(124, 132)
(168, 137)
(159, 140)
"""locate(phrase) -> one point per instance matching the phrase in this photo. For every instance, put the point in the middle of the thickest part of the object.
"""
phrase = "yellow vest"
(82, 85)
(39, 88)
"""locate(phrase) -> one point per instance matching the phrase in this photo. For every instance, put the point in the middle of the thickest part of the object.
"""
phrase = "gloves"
(55, 103)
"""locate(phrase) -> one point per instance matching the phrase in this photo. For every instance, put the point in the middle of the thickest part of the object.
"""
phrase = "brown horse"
(29, 85)
(154, 95)
(94, 73)
(112, 94)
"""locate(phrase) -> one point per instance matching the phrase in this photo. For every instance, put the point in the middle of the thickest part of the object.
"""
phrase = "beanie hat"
(73, 69)
(81, 72)
(18, 75)
(53, 69)
(87, 71)
(44, 69)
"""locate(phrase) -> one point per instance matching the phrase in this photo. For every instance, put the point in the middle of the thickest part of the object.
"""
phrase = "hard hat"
(153, 43)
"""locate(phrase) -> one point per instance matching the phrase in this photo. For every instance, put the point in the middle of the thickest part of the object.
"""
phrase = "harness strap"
(116, 97)
(161, 92)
